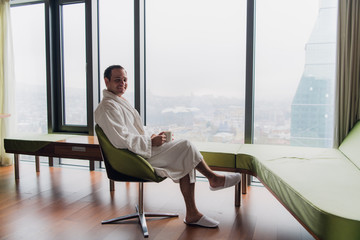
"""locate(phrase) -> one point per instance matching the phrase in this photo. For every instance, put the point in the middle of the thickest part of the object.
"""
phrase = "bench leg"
(16, 166)
(244, 181)
(92, 165)
(37, 163)
(51, 161)
(238, 195)
(112, 185)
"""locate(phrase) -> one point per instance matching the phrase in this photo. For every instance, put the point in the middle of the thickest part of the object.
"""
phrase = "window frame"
(60, 82)
(57, 77)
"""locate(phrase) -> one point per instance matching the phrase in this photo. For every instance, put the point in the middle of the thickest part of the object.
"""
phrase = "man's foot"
(204, 221)
(230, 180)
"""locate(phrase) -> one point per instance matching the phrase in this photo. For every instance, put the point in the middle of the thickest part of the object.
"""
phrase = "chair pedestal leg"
(142, 221)
(140, 214)
(141, 217)
(126, 217)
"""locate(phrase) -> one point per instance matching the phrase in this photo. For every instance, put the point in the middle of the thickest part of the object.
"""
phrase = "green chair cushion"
(320, 186)
(126, 162)
(351, 145)
(218, 154)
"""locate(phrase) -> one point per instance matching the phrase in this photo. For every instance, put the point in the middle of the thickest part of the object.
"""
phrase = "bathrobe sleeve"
(118, 125)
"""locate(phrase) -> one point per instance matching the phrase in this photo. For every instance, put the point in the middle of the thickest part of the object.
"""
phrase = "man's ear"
(106, 81)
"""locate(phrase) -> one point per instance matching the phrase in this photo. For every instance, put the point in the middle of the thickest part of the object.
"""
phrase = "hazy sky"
(193, 46)
(198, 47)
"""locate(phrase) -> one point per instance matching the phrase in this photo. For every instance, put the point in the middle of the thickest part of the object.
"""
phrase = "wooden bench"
(49, 145)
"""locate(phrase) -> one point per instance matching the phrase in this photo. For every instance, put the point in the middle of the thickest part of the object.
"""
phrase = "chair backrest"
(124, 165)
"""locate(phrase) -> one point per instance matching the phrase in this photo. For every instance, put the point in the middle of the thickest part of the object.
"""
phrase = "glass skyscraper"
(312, 109)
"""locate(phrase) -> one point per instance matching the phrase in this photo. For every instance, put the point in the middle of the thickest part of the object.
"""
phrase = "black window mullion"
(54, 66)
(250, 69)
(139, 58)
(92, 61)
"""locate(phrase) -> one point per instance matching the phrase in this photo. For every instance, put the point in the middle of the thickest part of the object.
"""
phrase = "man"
(176, 159)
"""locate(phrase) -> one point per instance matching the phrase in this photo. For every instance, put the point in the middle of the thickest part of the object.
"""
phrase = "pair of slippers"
(204, 221)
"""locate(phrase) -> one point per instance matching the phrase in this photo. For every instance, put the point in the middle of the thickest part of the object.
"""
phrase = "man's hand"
(158, 140)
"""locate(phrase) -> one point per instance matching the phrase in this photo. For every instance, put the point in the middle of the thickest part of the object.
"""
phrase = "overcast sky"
(194, 47)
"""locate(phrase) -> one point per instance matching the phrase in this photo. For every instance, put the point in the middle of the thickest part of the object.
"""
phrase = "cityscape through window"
(74, 63)
(28, 28)
(195, 67)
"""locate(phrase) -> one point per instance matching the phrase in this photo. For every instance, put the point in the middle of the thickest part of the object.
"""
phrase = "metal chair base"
(141, 217)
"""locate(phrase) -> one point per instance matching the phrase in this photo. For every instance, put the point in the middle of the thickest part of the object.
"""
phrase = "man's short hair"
(107, 72)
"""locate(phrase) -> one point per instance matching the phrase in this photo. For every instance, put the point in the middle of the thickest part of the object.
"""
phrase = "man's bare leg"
(188, 192)
(215, 180)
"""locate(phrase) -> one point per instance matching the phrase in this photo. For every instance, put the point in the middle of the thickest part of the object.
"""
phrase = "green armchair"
(125, 166)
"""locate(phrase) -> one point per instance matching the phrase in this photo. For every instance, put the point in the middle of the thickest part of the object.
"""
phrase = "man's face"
(118, 82)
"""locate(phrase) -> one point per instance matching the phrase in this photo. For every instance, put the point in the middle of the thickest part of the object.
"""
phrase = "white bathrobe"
(122, 125)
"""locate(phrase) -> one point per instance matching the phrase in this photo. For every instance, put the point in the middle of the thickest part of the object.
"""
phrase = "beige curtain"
(6, 75)
(348, 69)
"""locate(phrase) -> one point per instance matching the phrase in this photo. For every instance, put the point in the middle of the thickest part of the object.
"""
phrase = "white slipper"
(230, 180)
(204, 221)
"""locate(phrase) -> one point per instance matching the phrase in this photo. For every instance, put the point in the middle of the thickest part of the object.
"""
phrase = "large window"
(116, 33)
(195, 68)
(295, 72)
(193, 74)
(28, 27)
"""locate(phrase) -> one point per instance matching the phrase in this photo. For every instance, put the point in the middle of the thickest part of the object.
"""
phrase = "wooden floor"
(69, 203)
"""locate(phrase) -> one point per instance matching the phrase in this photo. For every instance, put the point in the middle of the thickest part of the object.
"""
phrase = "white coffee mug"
(168, 135)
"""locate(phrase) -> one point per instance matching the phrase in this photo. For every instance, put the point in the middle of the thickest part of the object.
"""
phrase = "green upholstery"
(244, 161)
(218, 154)
(351, 145)
(31, 143)
(319, 186)
(125, 162)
